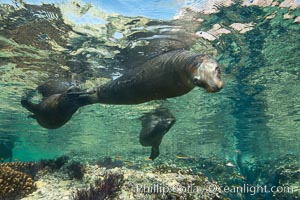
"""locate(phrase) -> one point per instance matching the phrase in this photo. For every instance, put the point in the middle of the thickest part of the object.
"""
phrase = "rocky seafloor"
(108, 178)
(64, 179)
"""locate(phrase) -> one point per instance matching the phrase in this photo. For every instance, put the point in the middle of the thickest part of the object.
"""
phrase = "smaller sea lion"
(56, 108)
(154, 126)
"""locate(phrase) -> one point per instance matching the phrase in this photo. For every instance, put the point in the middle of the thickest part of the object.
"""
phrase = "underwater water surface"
(255, 118)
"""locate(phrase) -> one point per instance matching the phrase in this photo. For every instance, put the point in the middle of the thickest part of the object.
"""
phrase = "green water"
(255, 118)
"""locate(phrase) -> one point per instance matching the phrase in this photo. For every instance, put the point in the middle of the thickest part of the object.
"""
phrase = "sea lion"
(154, 126)
(55, 110)
(171, 74)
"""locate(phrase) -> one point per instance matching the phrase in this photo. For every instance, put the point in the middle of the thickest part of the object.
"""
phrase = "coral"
(29, 168)
(14, 184)
(103, 189)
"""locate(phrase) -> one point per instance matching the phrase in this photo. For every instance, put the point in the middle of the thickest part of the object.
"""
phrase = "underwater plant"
(103, 189)
(75, 170)
(92, 193)
(54, 164)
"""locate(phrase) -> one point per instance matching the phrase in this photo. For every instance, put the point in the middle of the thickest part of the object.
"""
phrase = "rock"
(258, 2)
(287, 16)
(290, 3)
(242, 28)
(297, 20)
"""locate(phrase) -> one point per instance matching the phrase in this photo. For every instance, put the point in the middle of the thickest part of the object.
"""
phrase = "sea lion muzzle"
(207, 87)
(207, 74)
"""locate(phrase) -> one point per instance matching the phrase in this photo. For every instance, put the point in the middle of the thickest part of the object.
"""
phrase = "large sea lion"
(154, 126)
(171, 74)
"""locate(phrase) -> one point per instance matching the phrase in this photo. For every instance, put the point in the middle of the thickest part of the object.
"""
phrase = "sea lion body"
(160, 78)
(166, 76)
(154, 126)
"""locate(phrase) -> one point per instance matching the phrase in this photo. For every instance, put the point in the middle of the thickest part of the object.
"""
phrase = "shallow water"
(255, 118)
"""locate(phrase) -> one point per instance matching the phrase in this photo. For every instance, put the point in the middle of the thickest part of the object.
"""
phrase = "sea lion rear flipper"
(80, 93)
(154, 152)
(82, 97)
(75, 90)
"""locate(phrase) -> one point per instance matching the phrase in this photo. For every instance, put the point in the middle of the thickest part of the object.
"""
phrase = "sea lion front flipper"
(31, 107)
(154, 152)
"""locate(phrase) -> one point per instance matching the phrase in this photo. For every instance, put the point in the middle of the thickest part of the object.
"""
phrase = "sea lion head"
(206, 73)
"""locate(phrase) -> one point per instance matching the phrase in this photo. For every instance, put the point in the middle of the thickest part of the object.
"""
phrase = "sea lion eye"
(218, 70)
